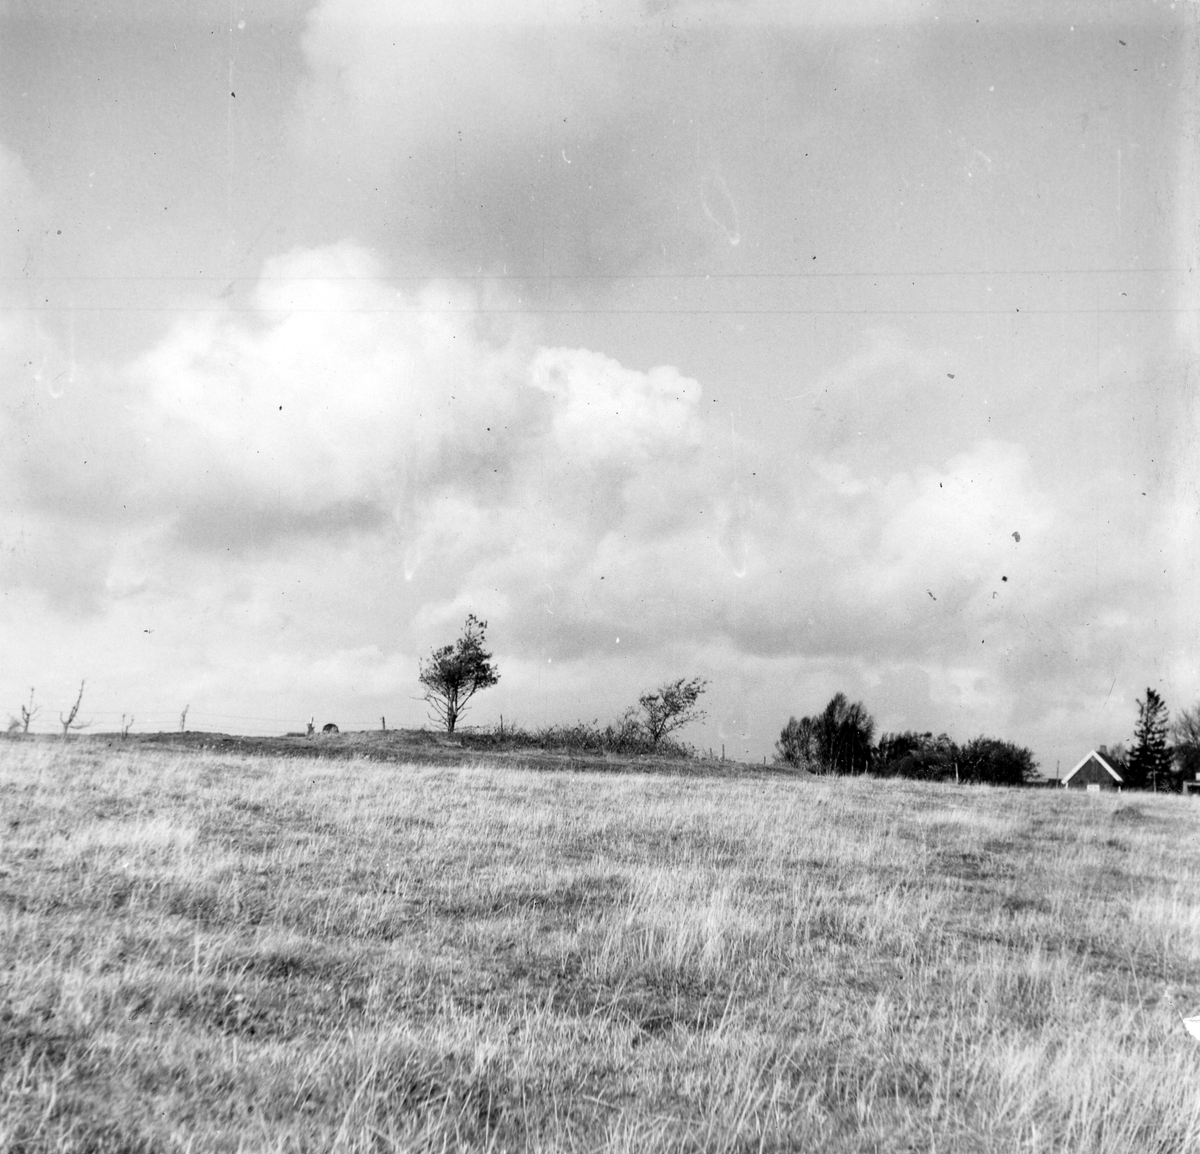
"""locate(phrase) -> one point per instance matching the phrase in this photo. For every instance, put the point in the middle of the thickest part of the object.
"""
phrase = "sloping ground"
(214, 952)
(425, 747)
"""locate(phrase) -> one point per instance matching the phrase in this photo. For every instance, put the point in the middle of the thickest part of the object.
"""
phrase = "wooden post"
(383, 723)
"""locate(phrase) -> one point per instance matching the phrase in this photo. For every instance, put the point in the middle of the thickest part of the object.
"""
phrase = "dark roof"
(1099, 761)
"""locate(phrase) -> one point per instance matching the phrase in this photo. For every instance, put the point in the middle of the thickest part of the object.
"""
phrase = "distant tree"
(68, 723)
(837, 740)
(797, 745)
(453, 674)
(989, 761)
(1185, 731)
(845, 735)
(924, 757)
(920, 756)
(1150, 760)
(670, 707)
(28, 713)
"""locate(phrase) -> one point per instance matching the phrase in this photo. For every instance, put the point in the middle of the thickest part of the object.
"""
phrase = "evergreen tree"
(1150, 761)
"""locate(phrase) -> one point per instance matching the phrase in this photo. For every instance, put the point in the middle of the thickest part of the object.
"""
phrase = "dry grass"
(230, 953)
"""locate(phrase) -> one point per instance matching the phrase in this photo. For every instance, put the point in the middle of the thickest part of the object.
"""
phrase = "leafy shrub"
(626, 736)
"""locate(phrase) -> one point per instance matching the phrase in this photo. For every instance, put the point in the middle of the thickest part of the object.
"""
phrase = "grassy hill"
(431, 747)
(217, 950)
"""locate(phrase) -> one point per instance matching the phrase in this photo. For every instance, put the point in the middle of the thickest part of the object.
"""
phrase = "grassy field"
(210, 952)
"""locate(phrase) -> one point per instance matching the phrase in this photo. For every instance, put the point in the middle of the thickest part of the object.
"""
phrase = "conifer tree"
(1150, 761)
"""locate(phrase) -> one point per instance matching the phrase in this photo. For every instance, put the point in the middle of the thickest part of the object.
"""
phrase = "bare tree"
(68, 723)
(670, 707)
(453, 674)
(183, 719)
(1185, 733)
(126, 726)
(28, 713)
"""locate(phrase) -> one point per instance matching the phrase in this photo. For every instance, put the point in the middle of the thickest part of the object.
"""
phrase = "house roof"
(1115, 775)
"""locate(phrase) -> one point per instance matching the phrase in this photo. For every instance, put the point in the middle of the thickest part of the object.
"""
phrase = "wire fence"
(196, 720)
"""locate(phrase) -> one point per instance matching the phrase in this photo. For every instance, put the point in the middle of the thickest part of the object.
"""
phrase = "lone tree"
(453, 674)
(68, 723)
(670, 707)
(28, 713)
(1150, 760)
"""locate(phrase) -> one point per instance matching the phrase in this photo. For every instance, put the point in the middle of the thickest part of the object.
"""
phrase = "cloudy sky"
(854, 350)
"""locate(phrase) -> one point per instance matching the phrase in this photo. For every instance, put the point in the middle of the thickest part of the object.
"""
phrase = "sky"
(805, 349)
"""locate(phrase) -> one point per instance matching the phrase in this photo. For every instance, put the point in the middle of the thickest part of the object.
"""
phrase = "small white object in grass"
(1192, 1024)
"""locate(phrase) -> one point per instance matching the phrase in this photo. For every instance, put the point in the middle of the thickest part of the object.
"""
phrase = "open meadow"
(213, 952)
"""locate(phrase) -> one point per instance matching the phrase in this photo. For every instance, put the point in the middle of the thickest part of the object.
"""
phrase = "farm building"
(1093, 773)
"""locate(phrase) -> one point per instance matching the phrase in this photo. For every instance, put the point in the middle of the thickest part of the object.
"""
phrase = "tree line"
(841, 740)
(838, 740)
